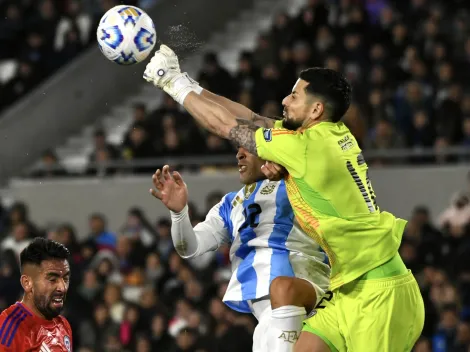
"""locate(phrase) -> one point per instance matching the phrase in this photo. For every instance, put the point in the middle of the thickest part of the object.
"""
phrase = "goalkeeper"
(376, 304)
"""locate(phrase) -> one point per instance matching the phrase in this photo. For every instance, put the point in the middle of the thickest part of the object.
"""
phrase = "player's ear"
(26, 283)
(316, 110)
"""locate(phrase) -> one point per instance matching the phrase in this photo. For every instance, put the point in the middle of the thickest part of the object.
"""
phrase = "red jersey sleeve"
(12, 337)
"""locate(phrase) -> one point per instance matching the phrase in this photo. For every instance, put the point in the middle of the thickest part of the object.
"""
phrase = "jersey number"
(251, 213)
(367, 193)
(326, 297)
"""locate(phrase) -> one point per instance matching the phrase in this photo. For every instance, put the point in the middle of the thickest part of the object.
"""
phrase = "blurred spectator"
(99, 236)
(102, 154)
(139, 147)
(138, 228)
(95, 332)
(384, 137)
(164, 244)
(19, 214)
(74, 17)
(457, 216)
(18, 240)
(49, 167)
(139, 116)
(11, 30)
(26, 78)
(216, 78)
(10, 286)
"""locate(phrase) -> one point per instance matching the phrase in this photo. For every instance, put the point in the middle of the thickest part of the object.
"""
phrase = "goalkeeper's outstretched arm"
(220, 121)
(239, 110)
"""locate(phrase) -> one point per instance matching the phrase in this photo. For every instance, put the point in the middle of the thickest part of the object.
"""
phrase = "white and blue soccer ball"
(126, 35)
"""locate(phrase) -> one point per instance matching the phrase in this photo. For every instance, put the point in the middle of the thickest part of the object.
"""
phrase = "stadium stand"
(409, 62)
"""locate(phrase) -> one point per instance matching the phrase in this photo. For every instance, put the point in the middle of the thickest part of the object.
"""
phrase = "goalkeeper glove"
(165, 73)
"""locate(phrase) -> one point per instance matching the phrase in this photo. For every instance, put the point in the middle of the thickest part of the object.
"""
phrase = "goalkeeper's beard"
(290, 124)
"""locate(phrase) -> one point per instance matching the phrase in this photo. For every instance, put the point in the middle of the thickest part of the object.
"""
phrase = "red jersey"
(21, 330)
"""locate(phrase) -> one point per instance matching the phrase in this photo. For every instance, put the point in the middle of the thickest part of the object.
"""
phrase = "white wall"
(398, 190)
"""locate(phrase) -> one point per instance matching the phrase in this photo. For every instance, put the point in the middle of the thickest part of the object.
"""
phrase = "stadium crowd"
(409, 63)
(39, 37)
(407, 60)
(130, 291)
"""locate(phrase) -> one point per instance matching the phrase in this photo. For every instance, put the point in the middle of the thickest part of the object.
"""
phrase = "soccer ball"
(126, 35)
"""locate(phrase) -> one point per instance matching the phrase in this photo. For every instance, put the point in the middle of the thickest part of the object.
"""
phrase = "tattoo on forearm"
(262, 121)
(243, 135)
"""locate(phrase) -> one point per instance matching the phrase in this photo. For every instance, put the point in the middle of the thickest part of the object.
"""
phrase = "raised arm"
(217, 119)
(206, 236)
(239, 110)
(224, 117)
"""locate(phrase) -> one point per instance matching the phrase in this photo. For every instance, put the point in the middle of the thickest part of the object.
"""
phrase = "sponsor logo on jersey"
(67, 343)
(268, 189)
(267, 134)
(346, 143)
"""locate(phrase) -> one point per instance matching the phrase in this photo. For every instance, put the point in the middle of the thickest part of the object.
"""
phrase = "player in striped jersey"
(34, 324)
(278, 272)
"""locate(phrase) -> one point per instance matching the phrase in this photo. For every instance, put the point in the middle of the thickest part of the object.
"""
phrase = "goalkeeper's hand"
(164, 71)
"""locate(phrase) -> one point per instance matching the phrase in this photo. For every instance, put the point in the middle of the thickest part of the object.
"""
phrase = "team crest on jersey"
(267, 134)
(249, 189)
(67, 344)
(268, 189)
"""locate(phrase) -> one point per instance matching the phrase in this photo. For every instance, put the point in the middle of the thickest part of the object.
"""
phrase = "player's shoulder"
(63, 320)
(13, 321)
(229, 198)
(14, 310)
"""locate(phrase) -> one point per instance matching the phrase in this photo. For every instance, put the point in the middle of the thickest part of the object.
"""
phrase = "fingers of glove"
(166, 50)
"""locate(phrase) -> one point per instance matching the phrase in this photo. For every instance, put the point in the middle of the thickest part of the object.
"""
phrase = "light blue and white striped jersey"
(266, 242)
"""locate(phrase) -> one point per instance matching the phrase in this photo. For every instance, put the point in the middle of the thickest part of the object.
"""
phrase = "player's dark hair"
(331, 86)
(41, 249)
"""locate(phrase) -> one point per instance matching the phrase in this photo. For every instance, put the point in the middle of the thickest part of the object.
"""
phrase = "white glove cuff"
(181, 86)
(197, 89)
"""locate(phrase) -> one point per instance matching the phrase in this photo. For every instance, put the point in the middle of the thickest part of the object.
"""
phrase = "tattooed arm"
(239, 110)
(220, 121)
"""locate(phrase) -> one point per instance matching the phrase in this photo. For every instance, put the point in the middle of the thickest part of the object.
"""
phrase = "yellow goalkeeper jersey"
(332, 197)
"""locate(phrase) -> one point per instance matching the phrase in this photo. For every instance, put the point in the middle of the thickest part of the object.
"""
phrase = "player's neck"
(28, 303)
(310, 124)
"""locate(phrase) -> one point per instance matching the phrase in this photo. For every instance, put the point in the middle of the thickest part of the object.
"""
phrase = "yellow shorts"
(378, 315)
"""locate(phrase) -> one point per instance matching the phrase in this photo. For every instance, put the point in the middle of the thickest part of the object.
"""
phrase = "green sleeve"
(284, 147)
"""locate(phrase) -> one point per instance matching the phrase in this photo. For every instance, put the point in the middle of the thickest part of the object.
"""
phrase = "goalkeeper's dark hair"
(41, 249)
(332, 87)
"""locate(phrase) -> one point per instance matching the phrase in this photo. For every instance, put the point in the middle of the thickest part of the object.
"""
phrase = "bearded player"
(34, 324)
(278, 272)
(376, 304)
